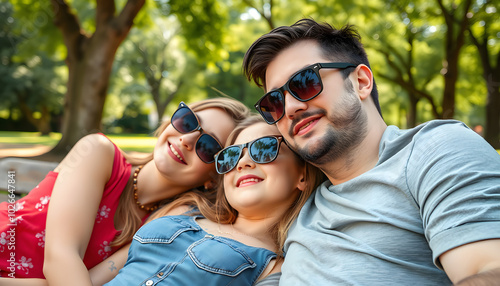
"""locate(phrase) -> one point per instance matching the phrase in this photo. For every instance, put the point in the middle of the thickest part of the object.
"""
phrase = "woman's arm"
(73, 207)
(107, 270)
(23, 281)
(99, 274)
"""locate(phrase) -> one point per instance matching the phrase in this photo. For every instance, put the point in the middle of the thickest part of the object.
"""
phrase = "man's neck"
(360, 159)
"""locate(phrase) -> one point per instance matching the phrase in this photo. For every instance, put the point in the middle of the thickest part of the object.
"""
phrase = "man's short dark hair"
(339, 45)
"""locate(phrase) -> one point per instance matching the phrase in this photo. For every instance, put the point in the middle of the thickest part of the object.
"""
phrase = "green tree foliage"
(30, 85)
(431, 59)
(203, 23)
(405, 40)
(157, 63)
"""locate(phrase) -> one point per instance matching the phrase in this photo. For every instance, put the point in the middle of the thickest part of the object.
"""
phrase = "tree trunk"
(455, 39)
(89, 62)
(450, 79)
(492, 128)
(491, 75)
(41, 124)
(412, 111)
(84, 100)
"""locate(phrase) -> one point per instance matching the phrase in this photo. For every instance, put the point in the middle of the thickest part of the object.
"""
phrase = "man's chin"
(315, 155)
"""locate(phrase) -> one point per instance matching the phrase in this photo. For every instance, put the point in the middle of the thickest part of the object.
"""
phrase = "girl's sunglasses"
(304, 85)
(262, 150)
(185, 121)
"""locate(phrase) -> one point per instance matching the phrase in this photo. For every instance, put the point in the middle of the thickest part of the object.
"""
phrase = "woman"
(97, 178)
(239, 239)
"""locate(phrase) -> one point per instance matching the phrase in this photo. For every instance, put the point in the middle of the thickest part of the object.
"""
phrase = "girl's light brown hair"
(235, 109)
(313, 177)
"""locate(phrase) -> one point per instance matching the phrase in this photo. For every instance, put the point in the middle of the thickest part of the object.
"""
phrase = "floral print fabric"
(22, 225)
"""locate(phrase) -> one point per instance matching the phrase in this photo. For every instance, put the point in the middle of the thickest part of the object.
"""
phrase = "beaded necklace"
(136, 197)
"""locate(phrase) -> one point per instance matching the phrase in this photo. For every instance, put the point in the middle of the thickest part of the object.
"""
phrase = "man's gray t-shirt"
(435, 187)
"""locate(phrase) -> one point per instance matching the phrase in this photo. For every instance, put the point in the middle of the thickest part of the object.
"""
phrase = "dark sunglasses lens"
(305, 85)
(227, 159)
(207, 147)
(184, 120)
(271, 106)
(264, 150)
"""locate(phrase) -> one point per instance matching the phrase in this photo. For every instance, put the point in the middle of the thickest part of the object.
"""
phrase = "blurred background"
(73, 67)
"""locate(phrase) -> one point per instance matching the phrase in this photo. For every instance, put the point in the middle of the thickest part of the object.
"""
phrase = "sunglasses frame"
(286, 87)
(247, 145)
(197, 128)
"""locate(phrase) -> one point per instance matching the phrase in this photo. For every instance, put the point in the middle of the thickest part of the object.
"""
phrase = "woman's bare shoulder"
(90, 148)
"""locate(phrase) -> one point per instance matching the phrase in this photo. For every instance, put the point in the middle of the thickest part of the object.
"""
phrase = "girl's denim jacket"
(175, 250)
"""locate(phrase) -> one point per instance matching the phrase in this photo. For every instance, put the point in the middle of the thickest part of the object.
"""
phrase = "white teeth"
(175, 153)
(249, 180)
(308, 123)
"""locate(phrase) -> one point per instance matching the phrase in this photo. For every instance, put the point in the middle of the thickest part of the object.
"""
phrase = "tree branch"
(398, 71)
(105, 11)
(412, 89)
(68, 24)
(262, 13)
(124, 21)
(463, 24)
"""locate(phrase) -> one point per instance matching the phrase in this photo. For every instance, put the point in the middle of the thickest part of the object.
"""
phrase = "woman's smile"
(176, 155)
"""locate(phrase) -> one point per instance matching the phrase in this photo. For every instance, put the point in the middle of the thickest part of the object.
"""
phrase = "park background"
(70, 68)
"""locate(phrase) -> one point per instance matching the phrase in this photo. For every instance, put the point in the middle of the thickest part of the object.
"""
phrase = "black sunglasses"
(185, 121)
(262, 150)
(304, 85)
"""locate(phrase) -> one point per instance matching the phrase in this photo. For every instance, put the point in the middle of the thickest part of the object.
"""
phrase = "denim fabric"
(175, 250)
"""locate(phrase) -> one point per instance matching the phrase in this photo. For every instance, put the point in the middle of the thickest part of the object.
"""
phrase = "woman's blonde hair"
(222, 212)
(235, 109)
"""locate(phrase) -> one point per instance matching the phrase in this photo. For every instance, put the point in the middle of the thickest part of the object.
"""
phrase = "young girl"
(97, 178)
(239, 239)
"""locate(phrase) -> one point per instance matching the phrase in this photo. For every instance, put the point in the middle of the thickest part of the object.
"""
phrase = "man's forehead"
(290, 61)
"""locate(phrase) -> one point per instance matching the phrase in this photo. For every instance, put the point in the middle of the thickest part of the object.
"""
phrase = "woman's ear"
(301, 184)
(208, 185)
(364, 78)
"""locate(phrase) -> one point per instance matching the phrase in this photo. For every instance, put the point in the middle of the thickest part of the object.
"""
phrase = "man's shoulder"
(446, 133)
(448, 141)
(443, 125)
(431, 130)
(431, 135)
(437, 126)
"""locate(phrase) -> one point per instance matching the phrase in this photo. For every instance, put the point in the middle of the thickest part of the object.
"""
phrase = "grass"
(127, 142)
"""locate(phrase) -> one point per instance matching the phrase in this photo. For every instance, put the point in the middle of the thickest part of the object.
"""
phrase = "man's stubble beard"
(345, 131)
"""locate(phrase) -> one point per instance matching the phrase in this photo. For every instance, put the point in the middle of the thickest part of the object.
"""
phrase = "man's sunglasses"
(185, 121)
(262, 150)
(304, 85)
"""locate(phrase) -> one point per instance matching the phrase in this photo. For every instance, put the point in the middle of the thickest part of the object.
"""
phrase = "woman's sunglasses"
(185, 121)
(262, 150)
(304, 85)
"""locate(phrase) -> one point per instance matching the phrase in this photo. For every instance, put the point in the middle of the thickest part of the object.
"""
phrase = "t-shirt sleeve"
(454, 175)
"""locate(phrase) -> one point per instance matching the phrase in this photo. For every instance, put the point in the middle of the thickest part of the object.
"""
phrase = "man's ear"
(364, 78)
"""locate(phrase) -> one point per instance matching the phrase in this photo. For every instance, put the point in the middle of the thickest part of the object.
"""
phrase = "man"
(400, 206)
